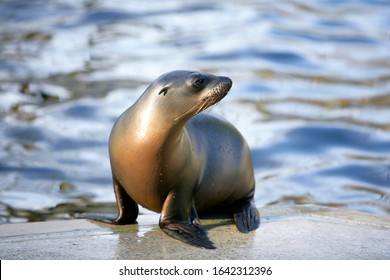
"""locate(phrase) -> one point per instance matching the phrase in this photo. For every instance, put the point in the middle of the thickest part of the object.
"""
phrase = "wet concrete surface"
(290, 232)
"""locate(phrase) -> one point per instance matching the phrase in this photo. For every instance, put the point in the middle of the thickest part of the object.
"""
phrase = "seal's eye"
(197, 81)
(163, 91)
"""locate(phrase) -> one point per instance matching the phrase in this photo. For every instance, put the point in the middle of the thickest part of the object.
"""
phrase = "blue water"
(311, 95)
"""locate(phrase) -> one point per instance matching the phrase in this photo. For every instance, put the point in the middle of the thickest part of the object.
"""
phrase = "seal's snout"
(222, 88)
(228, 82)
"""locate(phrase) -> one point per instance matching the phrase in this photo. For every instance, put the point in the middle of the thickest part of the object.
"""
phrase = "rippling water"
(311, 95)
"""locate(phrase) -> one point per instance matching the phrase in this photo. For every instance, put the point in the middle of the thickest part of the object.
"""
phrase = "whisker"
(189, 111)
(202, 105)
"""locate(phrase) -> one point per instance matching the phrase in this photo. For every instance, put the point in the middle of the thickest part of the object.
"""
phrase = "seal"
(170, 158)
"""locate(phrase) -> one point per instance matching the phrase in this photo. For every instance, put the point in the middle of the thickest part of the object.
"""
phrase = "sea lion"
(170, 158)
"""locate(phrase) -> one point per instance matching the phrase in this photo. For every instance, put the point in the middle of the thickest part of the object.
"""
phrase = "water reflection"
(311, 95)
(288, 58)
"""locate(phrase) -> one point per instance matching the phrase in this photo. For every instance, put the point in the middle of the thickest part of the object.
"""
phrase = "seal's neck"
(153, 125)
(153, 151)
(163, 138)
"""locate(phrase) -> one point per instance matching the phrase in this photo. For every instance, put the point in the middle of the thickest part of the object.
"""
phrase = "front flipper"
(127, 208)
(188, 233)
(180, 220)
(247, 217)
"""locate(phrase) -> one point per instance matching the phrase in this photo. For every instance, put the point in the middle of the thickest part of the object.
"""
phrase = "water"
(311, 95)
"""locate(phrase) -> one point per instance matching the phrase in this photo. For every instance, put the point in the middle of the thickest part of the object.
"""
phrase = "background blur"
(311, 94)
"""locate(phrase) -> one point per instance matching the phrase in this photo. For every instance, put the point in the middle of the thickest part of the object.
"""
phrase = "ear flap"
(163, 91)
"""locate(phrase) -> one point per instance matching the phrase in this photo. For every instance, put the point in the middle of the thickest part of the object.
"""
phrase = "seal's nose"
(227, 83)
(230, 83)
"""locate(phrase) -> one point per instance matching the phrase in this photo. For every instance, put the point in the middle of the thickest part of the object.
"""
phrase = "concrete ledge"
(293, 232)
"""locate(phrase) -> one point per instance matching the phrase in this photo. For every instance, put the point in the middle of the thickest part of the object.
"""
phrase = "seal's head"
(182, 94)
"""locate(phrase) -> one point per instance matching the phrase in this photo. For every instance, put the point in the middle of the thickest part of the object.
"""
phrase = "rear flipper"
(127, 209)
(247, 217)
(124, 220)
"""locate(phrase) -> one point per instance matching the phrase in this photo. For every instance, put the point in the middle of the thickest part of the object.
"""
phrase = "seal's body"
(169, 158)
